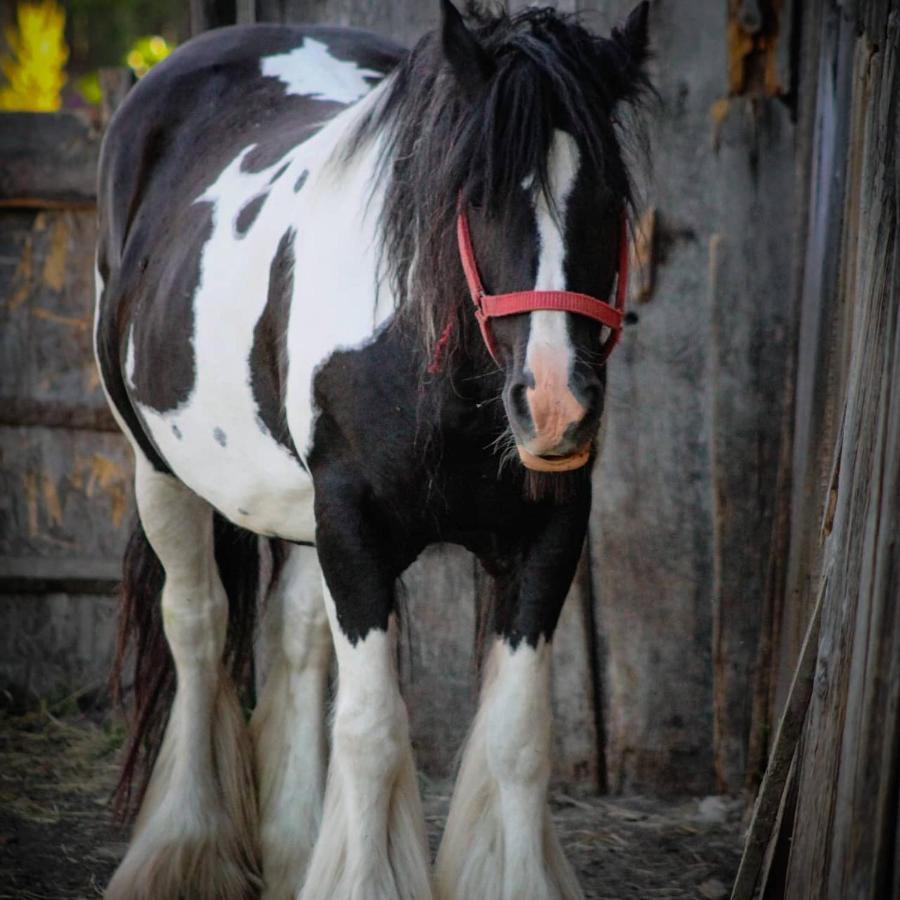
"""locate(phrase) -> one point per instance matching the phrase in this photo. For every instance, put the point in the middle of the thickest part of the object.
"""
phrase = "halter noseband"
(493, 306)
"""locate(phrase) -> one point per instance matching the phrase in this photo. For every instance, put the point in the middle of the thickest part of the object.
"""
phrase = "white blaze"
(548, 327)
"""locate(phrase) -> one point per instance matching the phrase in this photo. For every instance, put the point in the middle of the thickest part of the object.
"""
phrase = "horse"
(354, 300)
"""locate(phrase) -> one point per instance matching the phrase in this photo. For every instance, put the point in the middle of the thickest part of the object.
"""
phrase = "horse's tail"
(142, 649)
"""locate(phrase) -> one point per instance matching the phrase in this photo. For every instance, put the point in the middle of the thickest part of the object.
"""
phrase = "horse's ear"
(470, 63)
(626, 52)
(632, 36)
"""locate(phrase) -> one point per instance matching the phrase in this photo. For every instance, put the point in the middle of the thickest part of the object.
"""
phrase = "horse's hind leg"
(195, 835)
(289, 724)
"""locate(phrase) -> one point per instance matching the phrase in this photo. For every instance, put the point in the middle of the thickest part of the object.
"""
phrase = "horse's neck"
(344, 204)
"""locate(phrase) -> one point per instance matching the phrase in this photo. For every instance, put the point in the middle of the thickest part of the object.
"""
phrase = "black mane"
(445, 140)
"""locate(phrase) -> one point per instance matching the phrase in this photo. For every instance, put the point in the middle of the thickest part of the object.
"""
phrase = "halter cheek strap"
(494, 306)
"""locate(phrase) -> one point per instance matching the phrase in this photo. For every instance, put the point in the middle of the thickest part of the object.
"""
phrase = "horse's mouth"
(566, 463)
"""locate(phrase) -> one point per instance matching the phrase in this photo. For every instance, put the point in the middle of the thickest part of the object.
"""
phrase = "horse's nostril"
(518, 400)
(592, 394)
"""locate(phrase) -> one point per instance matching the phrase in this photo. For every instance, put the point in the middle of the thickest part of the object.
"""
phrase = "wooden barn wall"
(837, 835)
(659, 637)
(65, 472)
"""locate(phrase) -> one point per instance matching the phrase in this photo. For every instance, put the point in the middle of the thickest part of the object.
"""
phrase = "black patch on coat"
(279, 173)
(220, 437)
(301, 180)
(248, 213)
(162, 312)
(268, 355)
(110, 361)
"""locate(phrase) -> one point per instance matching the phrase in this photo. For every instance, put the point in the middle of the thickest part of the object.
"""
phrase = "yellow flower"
(146, 52)
(34, 72)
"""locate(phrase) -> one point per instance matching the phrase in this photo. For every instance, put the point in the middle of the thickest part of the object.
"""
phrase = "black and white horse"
(294, 224)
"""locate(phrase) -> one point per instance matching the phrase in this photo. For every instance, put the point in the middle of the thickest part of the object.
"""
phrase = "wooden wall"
(837, 831)
(65, 472)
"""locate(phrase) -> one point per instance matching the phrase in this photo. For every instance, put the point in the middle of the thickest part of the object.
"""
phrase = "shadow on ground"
(58, 842)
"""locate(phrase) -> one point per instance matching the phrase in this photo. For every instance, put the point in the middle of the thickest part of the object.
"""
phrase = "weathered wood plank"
(750, 332)
(438, 670)
(64, 495)
(578, 755)
(47, 159)
(769, 801)
(819, 367)
(55, 644)
(40, 575)
(404, 21)
(28, 413)
(46, 310)
(844, 842)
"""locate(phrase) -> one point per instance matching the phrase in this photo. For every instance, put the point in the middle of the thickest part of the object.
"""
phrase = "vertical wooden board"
(845, 839)
(54, 644)
(436, 652)
(404, 21)
(568, 6)
(577, 755)
(820, 371)
(651, 528)
(750, 287)
(46, 310)
(64, 494)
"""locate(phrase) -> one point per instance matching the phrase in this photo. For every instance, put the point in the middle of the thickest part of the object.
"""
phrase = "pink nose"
(554, 408)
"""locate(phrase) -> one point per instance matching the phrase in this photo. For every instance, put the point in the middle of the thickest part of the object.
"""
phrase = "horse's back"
(268, 85)
(195, 277)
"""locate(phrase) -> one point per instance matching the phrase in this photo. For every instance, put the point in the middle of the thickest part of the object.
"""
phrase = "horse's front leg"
(372, 840)
(500, 842)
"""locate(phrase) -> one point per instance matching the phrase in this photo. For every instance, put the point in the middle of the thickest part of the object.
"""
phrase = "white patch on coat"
(213, 441)
(311, 71)
(548, 327)
(500, 841)
(288, 725)
(372, 840)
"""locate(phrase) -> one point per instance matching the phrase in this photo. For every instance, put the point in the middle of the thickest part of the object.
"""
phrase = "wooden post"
(246, 12)
(115, 82)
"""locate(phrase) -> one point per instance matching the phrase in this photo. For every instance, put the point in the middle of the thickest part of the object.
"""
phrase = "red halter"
(492, 306)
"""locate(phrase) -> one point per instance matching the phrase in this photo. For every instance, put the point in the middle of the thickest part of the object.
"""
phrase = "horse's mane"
(443, 140)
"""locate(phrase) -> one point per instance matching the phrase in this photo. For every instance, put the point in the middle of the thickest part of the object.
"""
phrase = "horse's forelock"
(441, 143)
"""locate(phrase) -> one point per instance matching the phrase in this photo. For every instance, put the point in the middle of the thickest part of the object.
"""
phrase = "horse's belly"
(234, 465)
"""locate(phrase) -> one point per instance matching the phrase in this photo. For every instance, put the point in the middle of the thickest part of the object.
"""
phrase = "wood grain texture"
(685, 489)
(844, 842)
(838, 836)
(47, 159)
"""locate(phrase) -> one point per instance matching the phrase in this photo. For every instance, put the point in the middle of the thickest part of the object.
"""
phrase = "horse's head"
(554, 253)
(547, 251)
(505, 163)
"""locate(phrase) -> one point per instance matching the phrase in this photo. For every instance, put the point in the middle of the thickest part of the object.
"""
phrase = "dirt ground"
(57, 841)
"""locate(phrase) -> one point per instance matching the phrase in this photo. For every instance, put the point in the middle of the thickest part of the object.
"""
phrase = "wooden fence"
(835, 572)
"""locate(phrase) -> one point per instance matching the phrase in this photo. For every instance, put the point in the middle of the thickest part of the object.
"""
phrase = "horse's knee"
(370, 733)
(518, 727)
